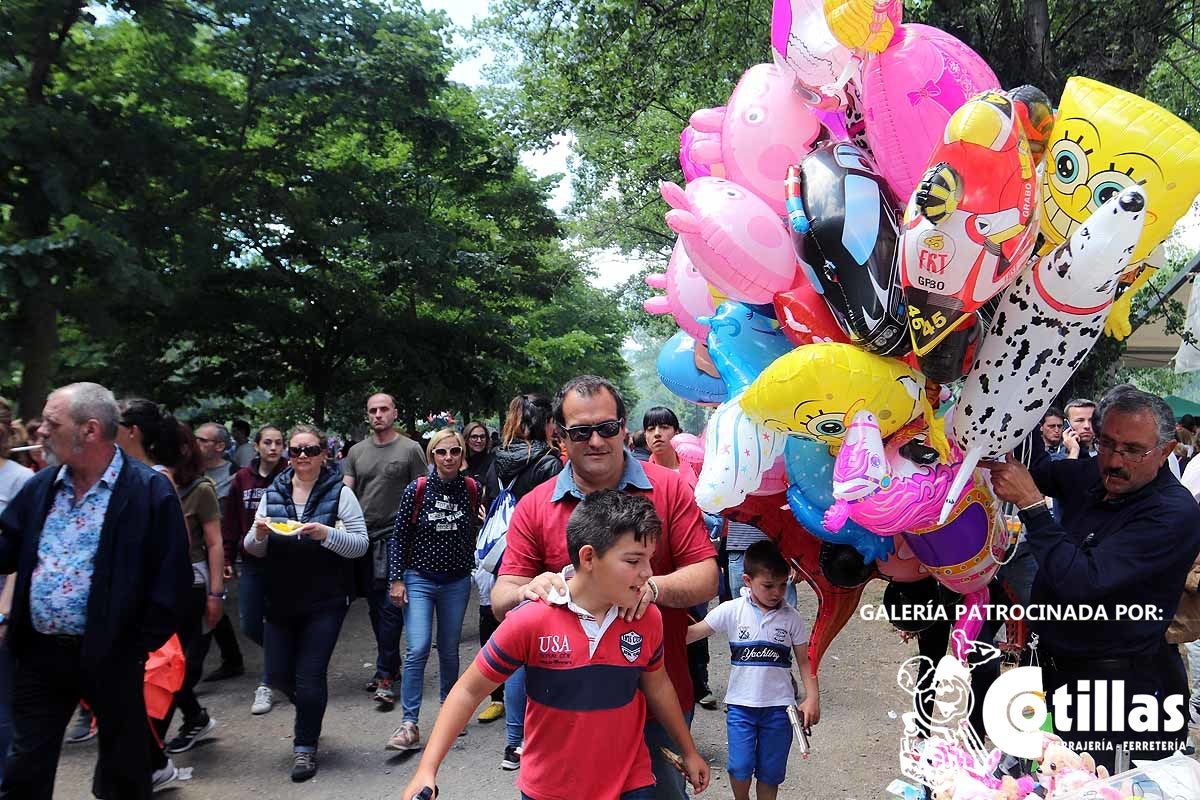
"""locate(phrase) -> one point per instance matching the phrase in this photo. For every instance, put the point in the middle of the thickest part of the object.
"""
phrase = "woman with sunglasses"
(431, 554)
(479, 451)
(309, 572)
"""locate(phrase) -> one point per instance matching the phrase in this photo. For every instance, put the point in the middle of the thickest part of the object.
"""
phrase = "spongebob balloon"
(1106, 139)
(815, 390)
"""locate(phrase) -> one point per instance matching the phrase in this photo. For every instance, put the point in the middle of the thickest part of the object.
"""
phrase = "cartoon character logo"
(1106, 140)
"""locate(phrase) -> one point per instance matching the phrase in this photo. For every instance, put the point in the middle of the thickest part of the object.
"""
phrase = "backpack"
(493, 535)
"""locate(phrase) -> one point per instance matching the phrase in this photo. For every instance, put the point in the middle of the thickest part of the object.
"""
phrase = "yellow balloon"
(815, 390)
(1106, 139)
(868, 25)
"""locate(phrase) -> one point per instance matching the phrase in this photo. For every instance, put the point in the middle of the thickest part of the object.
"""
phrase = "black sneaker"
(512, 758)
(226, 671)
(192, 731)
(304, 766)
(83, 728)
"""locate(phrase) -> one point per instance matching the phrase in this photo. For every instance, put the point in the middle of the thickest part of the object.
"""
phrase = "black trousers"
(48, 681)
(487, 626)
(1161, 675)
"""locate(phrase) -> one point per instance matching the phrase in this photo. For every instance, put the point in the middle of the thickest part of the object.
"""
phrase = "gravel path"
(854, 748)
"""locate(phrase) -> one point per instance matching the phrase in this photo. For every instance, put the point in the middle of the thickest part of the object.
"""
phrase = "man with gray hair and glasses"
(99, 548)
(1129, 534)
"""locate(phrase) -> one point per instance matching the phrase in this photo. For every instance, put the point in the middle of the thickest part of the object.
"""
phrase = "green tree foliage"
(624, 76)
(319, 212)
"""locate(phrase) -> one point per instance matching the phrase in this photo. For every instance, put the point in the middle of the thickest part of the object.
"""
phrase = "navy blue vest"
(301, 575)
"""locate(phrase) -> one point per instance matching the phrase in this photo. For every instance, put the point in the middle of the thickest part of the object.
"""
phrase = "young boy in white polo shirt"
(763, 633)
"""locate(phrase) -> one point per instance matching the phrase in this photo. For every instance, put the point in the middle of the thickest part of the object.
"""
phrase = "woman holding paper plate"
(309, 529)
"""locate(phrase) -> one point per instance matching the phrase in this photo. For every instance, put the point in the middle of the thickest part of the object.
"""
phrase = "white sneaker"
(164, 777)
(264, 700)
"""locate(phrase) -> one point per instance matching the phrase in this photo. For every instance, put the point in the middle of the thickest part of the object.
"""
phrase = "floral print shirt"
(62, 579)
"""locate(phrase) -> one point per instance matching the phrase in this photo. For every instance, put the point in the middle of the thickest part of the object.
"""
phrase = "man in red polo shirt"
(590, 415)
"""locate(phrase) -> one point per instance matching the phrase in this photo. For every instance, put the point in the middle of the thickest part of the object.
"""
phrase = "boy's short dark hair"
(764, 558)
(603, 516)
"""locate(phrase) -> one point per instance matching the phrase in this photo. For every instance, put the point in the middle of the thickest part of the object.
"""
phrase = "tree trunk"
(1037, 43)
(320, 400)
(40, 327)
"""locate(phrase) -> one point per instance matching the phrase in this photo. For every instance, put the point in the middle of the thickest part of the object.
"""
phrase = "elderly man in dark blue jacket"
(99, 547)
(1128, 537)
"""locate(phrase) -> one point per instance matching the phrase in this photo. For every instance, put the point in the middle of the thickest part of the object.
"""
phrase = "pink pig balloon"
(736, 240)
(691, 138)
(909, 92)
(687, 295)
(765, 128)
(690, 448)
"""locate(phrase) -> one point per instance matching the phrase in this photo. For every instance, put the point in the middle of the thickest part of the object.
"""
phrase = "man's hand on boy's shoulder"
(539, 587)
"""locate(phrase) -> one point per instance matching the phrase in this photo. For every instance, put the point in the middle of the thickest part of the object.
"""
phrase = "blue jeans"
(514, 709)
(252, 589)
(670, 784)
(425, 597)
(298, 650)
(759, 742)
(737, 563)
(1019, 573)
(387, 621)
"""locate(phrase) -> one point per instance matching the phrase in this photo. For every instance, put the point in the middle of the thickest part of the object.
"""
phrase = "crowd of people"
(123, 528)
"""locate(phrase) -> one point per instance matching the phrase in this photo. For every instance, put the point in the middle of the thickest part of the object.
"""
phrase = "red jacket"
(237, 516)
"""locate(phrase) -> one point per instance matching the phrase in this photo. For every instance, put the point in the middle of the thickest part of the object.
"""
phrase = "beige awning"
(1151, 345)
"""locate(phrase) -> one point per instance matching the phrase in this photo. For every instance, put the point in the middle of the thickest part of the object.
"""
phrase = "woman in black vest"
(309, 580)
(431, 554)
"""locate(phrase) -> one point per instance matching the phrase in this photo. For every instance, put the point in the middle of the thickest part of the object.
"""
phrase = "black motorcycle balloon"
(845, 231)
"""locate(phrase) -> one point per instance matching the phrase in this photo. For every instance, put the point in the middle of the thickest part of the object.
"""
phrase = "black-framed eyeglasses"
(478, 436)
(310, 450)
(442, 452)
(1128, 456)
(581, 433)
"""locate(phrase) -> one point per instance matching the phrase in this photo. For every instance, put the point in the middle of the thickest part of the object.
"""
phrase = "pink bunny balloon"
(765, 128)
(909, 92)
(736, 241)
(687, 294)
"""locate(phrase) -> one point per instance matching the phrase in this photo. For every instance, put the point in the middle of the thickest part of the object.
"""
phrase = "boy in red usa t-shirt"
(590, 674)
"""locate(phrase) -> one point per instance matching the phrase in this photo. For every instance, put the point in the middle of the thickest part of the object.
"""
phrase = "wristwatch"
(219, 595)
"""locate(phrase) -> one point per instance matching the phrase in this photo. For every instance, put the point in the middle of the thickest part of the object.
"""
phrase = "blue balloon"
(810, 473)
(743, 342)
(678, 371)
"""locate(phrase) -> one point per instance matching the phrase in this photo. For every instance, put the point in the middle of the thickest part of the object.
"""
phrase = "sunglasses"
(312, 451)
(581, 433)
(442, 452)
